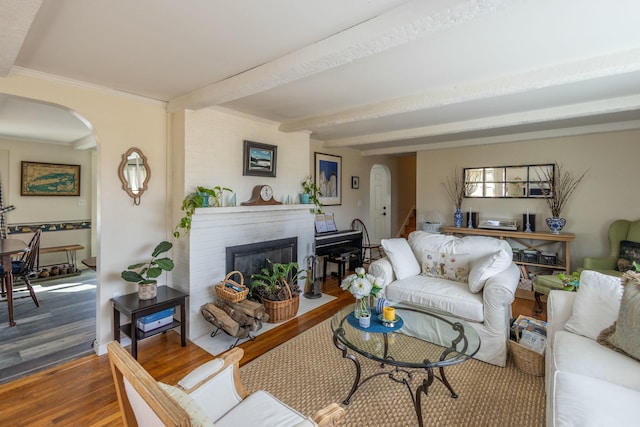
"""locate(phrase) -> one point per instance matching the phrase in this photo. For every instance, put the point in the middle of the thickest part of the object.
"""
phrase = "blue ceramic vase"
(457, 218)
(555, 224)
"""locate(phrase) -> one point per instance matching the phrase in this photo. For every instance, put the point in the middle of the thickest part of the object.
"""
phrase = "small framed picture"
(355, 182)
(259, 159)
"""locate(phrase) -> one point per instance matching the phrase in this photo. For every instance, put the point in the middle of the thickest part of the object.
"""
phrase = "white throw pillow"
(403, 261)
(486, 267)
(597, 304)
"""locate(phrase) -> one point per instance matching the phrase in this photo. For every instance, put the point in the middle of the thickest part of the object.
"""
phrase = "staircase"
(409, 224)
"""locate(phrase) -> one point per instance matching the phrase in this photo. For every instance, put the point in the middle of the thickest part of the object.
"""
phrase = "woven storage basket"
(230, 294)
(526, 360)
(279, 311)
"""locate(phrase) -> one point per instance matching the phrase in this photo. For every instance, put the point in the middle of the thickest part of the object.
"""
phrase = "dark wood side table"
(133, 307)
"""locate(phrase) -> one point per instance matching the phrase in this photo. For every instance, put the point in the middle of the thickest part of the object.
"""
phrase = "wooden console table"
(536, 240)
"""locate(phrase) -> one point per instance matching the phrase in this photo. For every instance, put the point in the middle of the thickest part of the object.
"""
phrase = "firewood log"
(231, 310)
(222, 320)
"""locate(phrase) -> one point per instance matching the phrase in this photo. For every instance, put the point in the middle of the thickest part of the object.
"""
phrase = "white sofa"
(410, 274)
(588, 384)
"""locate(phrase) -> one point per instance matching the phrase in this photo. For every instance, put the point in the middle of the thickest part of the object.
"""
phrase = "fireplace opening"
(252, 258)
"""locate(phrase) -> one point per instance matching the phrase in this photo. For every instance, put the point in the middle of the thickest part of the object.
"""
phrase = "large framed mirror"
(134, 172)
(521, 181)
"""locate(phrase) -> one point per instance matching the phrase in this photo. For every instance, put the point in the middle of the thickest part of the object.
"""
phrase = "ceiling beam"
(404, 24)
(554, 76)
(502, 139)
(16, 17)
(611, 105)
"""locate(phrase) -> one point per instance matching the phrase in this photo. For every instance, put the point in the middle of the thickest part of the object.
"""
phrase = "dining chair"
(24, 267)
(367, 246)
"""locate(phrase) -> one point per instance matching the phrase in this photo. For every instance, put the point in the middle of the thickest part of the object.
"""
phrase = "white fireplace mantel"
(215, 229)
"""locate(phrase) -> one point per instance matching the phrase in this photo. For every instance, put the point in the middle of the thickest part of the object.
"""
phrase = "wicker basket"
(527, 360)
(229, 294)
(279, 311)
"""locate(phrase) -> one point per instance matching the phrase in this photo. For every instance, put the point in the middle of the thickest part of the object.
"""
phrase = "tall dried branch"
(559, 189)
(457, 188)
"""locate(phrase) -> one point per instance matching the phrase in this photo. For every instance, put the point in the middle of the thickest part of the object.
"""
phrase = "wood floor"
(81, 392)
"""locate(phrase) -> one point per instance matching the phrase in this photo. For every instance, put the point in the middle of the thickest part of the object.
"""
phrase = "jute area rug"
(308, 372)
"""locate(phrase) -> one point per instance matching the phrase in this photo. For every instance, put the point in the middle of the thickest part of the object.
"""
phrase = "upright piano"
(339, 246)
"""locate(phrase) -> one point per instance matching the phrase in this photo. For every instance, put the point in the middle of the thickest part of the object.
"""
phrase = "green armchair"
(619, 230)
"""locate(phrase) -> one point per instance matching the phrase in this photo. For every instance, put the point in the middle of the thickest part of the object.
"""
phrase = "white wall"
(355, 203)
(126, 233)
(44, 209)
(605, 194)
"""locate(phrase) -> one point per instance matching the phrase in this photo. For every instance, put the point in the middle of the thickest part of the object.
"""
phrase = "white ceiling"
(380, 76)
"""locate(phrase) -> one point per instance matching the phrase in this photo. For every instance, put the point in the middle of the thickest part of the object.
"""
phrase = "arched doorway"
(380, 205)
(40, 131)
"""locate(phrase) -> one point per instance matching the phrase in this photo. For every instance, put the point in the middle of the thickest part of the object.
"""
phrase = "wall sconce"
(134, 173)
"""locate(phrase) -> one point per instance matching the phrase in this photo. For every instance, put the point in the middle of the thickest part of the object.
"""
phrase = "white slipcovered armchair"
(475, 281)
(210, 395)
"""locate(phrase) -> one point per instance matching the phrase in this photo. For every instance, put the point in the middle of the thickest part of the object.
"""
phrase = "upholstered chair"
(210, 395)
(619, 231)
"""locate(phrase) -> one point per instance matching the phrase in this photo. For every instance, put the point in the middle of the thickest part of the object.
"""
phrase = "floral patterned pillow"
(446, 265)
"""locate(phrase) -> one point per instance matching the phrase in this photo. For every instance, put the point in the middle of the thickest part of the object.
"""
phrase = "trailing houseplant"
(312, 190)
(145, 274)
(277, 286)
(201, 198)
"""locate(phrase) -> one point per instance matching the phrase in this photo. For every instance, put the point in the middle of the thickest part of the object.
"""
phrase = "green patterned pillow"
(623, 335)
(446, 266)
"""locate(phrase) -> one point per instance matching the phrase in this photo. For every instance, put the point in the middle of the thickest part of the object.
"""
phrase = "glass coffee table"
(420, 341)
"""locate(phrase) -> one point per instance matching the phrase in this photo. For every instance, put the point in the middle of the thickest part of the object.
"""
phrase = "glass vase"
(362, 307)
(457, 218)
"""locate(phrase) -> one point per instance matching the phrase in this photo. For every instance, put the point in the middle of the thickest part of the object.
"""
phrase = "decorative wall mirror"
(134, 173)
(509, 181)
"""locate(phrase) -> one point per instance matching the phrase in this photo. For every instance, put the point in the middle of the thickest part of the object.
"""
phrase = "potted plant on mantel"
(277, 287)
(310, 194)
(202, 198)
(146, 273)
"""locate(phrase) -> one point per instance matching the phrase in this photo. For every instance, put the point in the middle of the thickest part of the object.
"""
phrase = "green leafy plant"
(311, 188)
(146, 273)
(197, 200)
(270, 283)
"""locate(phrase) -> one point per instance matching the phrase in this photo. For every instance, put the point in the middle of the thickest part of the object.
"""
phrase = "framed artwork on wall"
(328, 176)
(49, 179)
(355, 182)
(259, 159)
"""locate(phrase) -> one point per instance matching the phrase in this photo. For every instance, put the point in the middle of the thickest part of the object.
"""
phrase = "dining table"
(8, 249)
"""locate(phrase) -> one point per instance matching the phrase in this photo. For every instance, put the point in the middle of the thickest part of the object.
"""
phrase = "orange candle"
(389, 313)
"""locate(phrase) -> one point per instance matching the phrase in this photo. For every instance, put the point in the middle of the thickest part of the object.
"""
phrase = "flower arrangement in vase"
(363, 286)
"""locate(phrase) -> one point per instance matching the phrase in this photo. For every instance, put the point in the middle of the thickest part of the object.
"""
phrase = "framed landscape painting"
(328, 176)
(259, 159)
(49, 179)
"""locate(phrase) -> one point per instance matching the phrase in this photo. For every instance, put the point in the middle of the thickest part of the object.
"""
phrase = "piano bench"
(342, 257)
